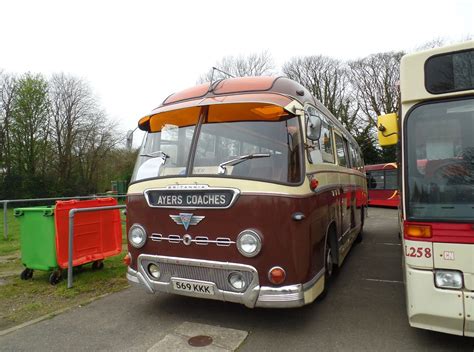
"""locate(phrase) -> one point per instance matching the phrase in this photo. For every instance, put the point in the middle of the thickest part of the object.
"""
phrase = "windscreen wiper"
(157, 154)
(222, 166)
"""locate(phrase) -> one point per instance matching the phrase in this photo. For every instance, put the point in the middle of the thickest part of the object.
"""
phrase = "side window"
(391, 179)
(322, 149)
(326, 142)
(341, 151)
(375, 179)
(353, 157)
(360, 161)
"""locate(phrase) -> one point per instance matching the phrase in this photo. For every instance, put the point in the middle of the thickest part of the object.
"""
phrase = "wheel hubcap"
(328, 261)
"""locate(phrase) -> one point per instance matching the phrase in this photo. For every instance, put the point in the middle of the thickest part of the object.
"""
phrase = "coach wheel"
(329, 269)
(26, 274)
(329, 264)
(360, 235)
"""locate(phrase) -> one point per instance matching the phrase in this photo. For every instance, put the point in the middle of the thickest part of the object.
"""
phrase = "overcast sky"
(135, 53)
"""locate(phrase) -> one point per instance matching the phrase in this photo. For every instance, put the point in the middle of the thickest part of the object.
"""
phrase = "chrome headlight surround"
(137, 236)
(237, 281)
(249, 243)
(450, 279)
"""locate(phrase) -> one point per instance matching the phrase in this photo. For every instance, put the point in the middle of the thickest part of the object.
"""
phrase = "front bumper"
(216, 272)
(431, 308)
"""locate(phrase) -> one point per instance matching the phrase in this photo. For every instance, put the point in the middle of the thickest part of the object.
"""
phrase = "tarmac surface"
(363, 311)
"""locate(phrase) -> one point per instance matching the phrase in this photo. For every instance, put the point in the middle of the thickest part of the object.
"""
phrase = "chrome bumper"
(254, 296)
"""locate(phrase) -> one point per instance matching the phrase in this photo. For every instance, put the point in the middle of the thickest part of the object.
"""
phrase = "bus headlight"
(137, 236)
(154, 271)
(249, 243)
(448, 279)
(237, 281)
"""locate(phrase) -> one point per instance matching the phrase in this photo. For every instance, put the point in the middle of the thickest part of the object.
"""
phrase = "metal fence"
(6, 202)
(73, 212)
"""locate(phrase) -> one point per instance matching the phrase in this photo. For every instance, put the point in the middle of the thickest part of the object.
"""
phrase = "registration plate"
(194, 287)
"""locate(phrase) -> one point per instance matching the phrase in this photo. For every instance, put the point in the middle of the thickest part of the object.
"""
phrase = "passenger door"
(345, 188)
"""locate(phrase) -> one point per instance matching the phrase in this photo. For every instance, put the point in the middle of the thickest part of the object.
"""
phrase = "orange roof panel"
(190, 93)
(244, 84)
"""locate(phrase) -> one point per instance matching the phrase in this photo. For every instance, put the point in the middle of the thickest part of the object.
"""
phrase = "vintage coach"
(245, 190)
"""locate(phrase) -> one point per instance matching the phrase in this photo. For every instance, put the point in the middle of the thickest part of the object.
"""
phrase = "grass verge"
(22, 301)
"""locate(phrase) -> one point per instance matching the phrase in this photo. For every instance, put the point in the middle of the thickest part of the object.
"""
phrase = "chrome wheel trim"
(329, 262)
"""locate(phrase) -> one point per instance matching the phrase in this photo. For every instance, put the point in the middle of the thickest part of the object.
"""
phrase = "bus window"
(325, 141)
(341, 151)
(278, 142)
(391, 179)
(375, 179)
(355, 163)
(322, 149)
(450, 72)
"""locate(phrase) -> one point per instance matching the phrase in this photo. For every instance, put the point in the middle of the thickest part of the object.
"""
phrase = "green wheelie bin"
(38, 241)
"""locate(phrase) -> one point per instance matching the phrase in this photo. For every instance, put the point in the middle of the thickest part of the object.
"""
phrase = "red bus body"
(382, 185)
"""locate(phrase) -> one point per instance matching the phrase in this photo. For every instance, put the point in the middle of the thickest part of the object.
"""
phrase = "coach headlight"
(448, 279)
(249, 243)
(137, 236)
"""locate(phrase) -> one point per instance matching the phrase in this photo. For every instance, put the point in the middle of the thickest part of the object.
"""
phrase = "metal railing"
(6, 202)
(73, 212)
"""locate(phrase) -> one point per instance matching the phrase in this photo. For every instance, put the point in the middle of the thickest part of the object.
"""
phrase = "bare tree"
(72, 104)
(434, 43)
(328, 80)
(440, 41)
(241, 66)
(375, 80)
(96, 140)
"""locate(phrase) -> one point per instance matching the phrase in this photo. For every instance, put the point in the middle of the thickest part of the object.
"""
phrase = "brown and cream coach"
(245, 190)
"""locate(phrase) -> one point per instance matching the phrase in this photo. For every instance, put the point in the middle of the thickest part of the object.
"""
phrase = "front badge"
(186, 219)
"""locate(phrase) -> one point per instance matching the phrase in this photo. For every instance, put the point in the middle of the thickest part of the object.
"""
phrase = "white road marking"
(387, 281)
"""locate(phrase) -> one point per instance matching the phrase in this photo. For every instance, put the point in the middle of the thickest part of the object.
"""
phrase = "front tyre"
(360, 235)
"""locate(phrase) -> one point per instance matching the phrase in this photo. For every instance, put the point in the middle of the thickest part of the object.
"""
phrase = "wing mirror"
(387, 126)
(313, 127)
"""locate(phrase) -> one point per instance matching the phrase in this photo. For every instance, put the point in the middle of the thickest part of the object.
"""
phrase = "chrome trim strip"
(277, 194)
(308, 285)
(178, 188)
(137, 278)
(224, 242)
(287, 296)
(345, 171)
(281, 297)
(199, 240)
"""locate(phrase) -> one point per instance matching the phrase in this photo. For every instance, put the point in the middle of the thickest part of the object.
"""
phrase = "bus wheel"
(328, 268)
(329, 263)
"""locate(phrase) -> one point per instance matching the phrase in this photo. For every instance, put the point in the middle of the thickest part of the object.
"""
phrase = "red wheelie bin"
(97, 235)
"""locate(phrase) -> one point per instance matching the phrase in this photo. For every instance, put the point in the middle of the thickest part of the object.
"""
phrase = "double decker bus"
(245, 190)
(435, 133)
(382, 183)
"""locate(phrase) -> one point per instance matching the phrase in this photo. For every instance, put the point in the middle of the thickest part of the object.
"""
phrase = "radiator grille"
(215, 275)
